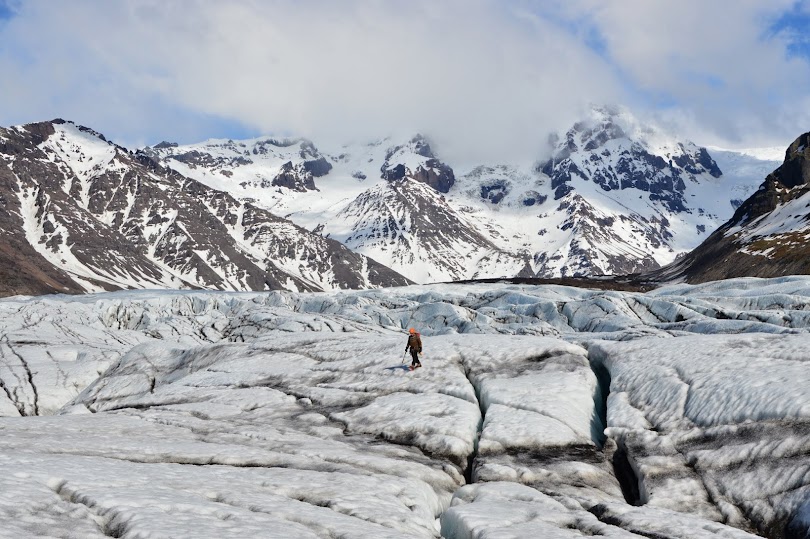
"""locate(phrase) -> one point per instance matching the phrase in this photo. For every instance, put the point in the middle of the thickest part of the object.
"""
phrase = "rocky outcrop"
(603, 153)
(318, 167)
(426, 168)
(295, 177)
(495, 191)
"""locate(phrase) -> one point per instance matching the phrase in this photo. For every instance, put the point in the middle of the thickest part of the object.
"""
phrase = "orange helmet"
(411, 330)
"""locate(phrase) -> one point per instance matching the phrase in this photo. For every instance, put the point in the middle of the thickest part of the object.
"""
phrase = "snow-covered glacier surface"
(541, 411)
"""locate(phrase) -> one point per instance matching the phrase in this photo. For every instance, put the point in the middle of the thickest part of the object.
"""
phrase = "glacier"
(541, 411)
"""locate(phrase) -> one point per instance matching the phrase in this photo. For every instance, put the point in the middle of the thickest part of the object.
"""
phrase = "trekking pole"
(403, 357)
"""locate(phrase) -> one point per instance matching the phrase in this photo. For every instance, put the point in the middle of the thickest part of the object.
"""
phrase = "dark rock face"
(314, 163)
(127, 221)
(533, 198)
(294, 177)
(738, 249)
(697, 163)
(435, 174)
(795, 171)
(589, 154)
(40, 131)
(432, 171)
(395, 173)
(318, 167)
(495, 191)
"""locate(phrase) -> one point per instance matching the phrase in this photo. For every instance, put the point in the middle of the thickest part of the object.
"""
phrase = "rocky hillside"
(78, 213)
(767, 235)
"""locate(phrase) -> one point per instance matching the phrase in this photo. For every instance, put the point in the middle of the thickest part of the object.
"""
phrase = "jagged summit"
(612, 150)
(415, 160)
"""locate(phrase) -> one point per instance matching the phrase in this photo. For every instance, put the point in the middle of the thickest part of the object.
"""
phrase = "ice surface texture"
(541, 412)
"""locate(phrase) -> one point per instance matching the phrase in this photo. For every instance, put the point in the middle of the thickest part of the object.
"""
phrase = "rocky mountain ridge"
(615, 196)
(82, 214)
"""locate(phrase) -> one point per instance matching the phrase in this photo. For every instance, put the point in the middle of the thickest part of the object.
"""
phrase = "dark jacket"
(414, 342)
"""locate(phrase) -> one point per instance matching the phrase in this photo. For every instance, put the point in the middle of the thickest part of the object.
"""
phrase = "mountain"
(80, 213)
(640, 196)
(614, 196)
(768, 234)
(408, 224)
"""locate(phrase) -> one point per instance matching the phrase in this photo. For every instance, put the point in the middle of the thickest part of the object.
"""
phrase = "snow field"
(286, 414)
(719, 422)
(313, 404)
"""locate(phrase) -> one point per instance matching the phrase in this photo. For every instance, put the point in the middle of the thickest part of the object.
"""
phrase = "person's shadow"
(403, 367)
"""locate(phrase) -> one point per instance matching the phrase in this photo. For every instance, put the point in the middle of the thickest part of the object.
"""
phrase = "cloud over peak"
(479, 76)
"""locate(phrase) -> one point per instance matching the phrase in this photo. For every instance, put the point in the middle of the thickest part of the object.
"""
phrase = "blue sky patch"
(8, 9)
(795, 26)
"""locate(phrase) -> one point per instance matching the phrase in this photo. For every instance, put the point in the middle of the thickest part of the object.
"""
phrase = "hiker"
(415, 346)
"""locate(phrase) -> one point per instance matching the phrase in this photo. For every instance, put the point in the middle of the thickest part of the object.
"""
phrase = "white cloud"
(485, 79)
(719, 61)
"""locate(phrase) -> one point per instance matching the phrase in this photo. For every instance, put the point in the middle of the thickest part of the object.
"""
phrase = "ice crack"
(29, 379)
(623, 470)
(105, 524)
(469, 476)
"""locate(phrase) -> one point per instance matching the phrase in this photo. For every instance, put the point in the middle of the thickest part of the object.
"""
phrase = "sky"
(488, 79)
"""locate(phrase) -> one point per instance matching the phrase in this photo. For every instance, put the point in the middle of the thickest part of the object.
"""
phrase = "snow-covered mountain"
(615, 197)
(768, 234)
(383, 200)
(79, 213)
(540, 411)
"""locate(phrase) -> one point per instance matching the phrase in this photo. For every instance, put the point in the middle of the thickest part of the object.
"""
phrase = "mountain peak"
(92, 216)
(415, 160)
(635, 198)
(612, 150)
(165, 144)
